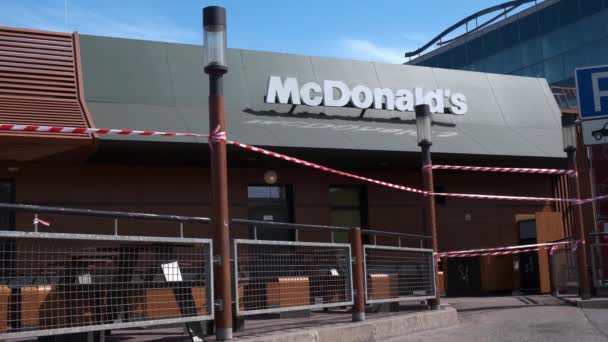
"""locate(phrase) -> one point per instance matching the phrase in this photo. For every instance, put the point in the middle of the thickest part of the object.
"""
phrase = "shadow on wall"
(324, 116)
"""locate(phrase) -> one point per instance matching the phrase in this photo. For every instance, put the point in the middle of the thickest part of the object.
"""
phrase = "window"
(527, 230)
(569, 11)
(528, 27)
(459, 56)
(475, 50)
(549, 19)
(590, 7)
(492, 42)
(346, 209)
(510, 35)
(270, 203)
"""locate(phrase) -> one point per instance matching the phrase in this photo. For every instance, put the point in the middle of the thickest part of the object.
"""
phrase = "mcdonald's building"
(353, 116)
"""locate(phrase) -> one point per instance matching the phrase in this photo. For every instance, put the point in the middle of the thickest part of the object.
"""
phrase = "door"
(270, 203)
(528, 262)
(464, 277)
(347, 206)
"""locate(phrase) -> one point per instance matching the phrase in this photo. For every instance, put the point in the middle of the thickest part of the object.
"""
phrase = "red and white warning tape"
(42, 222)
(504, 250)
(325, 168)
(218, 136)
(410, 189)
(517, 251)
(505, 169)
(102, 131)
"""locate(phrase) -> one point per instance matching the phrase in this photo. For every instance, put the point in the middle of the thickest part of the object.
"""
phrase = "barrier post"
(570, 135)
(358, 275)
(214, 24)
(583, 271)
(423, 125)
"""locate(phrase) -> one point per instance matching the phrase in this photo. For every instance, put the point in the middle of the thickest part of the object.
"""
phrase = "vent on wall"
(40, 82)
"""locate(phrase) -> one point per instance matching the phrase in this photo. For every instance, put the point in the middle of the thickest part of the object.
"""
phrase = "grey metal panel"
(548, 140)
(402, 77)
(500, 141)
(160, 86)
(247, 128)
(476, 87)
(258, 66)
(126, 71)
(522, 101)
(300, 136)
(188, 84)
(351, 72)
(552, 105)
(139, 116)
(448, 139)
(386, 136)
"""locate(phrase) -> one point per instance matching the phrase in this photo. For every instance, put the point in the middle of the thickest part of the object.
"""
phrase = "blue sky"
(380, 30)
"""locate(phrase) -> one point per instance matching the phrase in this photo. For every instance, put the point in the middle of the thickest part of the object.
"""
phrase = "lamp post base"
(358, 316)
(223, 334)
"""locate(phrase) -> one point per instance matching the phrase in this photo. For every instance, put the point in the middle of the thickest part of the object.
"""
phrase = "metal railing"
(402, 239)
(565, 97)
(599, 259)
(58, 283)
(115, 215)
(280, 276)
(398, 274)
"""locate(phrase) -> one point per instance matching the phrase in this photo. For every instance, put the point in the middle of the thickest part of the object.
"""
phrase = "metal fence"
(398, 273)
(57, 283)
(564, 270)
(278, 276)
(599, 259)
(54, 283)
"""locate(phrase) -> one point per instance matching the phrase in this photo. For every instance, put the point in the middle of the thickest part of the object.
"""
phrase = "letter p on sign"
(592, 92)
(597, 93)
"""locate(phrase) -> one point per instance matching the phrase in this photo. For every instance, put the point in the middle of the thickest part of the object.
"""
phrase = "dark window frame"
(289, 194)
(363, 202)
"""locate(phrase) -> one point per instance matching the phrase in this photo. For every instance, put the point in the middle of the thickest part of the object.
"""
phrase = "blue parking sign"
(592, 91)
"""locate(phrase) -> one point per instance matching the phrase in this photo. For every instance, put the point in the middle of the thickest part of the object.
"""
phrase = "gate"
(564, 270)
(395, 274)
(280, 276)
(599, 259)
(58, 283)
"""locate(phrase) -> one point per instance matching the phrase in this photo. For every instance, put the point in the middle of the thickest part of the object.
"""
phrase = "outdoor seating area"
(59, 283)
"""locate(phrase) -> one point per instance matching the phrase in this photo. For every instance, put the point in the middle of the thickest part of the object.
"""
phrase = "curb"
(593, 303)
(372, 330)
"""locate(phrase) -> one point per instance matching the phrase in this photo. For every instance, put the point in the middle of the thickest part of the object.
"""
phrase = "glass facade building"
(547, 40)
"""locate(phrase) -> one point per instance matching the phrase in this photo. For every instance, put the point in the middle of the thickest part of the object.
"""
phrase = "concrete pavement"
(519, 318)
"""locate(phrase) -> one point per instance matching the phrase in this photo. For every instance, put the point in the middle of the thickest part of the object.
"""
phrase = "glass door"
(270, 203)
(528, 262)
(346, 209)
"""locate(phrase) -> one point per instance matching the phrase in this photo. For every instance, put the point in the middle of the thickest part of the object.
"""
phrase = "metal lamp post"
(569, 131)
(214, 24)
(423, 129)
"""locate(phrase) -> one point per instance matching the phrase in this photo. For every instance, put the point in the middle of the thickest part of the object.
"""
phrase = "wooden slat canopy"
(40, 84)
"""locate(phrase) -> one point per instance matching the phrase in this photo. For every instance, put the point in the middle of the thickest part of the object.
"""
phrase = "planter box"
(5, 295)
(288, 291)
(161, 303)
(32, 300)
(67, 306)
(382, 286)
